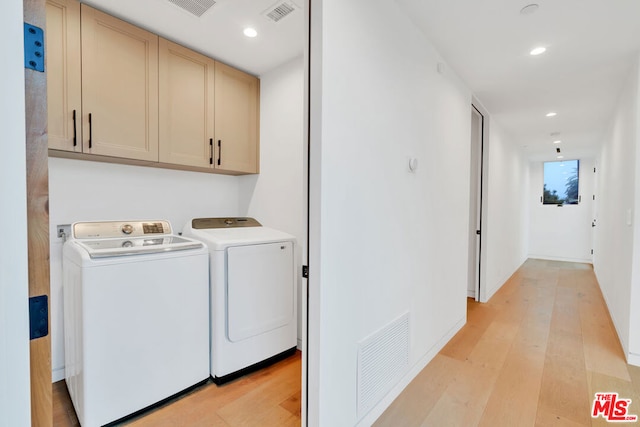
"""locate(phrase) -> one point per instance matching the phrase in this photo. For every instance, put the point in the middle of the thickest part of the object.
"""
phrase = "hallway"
(535, 354)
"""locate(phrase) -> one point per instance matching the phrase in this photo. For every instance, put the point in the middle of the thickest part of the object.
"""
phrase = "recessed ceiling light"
(250, 32)
(557, 141)
(538, 50)
(529, 9)
(560, 157)
(551, 114)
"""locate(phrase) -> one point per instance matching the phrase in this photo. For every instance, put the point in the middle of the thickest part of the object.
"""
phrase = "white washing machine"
(136, 317)
(253, 294)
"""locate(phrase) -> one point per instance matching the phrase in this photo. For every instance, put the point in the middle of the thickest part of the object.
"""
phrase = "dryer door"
(260, 289)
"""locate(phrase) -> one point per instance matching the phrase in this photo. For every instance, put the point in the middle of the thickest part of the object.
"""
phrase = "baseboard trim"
(562, 259)
(633, 359)
(487, 294)
(624, 344)
(57, 375)
(384, 403)
(491, 292)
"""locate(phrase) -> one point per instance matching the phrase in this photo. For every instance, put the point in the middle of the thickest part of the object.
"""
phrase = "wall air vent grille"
(383, 357)
(195, 7)
(279, 10)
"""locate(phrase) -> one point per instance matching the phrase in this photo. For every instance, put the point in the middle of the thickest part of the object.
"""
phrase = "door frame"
(305, 250)
(38, 220)
(37, 159)
(475, 203)
(481, 292)
(594, 208)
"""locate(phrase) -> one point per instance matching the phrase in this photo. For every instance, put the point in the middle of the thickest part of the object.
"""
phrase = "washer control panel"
(226, 222)
(114, 229)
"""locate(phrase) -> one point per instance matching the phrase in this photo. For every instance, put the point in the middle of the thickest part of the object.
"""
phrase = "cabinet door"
(237, 121)
(119, 88)
(186, 106)
(62, 58)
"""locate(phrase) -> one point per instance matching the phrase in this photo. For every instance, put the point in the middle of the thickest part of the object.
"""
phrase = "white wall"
(84, 191)
(615, 239)
(505, 211)
(384, 240)
(275, 197)
(15, 408)
(634, 321)
(561, 233)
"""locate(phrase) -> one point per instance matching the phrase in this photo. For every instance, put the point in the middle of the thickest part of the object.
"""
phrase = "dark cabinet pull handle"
(210, 151)
(90, 131)
(219, 152)
(75, 140)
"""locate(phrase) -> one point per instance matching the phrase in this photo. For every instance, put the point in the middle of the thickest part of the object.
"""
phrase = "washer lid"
(221, 238)
(106, 248)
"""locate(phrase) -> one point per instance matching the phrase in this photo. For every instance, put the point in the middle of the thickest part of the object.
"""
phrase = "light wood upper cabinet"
(186, 106)
(116, 91)
(237, 101)
(119, 88)
(63, 74)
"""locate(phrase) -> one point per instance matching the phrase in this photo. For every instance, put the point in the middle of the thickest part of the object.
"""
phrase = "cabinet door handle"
(75, 135)
(219, 152)
(210, 151)
(90, 131)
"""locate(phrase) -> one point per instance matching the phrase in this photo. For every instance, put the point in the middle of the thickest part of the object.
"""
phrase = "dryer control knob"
(127, 229)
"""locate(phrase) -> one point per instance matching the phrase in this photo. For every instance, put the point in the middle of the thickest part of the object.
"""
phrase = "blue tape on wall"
(33, 47)
(38, 317)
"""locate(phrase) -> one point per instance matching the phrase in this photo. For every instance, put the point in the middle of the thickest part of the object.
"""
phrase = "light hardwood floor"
(534, 355)
(269, 397)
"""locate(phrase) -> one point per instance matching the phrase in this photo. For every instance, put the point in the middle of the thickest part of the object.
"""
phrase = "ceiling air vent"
(195, 7)
(280, 10)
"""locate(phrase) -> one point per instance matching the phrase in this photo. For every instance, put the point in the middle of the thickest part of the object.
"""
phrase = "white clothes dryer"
(253, 294)
(136, 317)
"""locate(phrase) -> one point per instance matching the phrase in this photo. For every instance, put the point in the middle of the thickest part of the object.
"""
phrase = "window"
(561, 183)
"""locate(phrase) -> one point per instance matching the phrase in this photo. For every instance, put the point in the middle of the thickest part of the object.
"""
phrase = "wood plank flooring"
(534, 355)
(269, 397)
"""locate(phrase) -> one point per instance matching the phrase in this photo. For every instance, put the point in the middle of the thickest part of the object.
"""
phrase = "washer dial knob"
(127, 229)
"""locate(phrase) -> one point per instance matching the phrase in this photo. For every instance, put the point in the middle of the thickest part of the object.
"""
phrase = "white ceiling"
(591, 45)
(218, 32)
